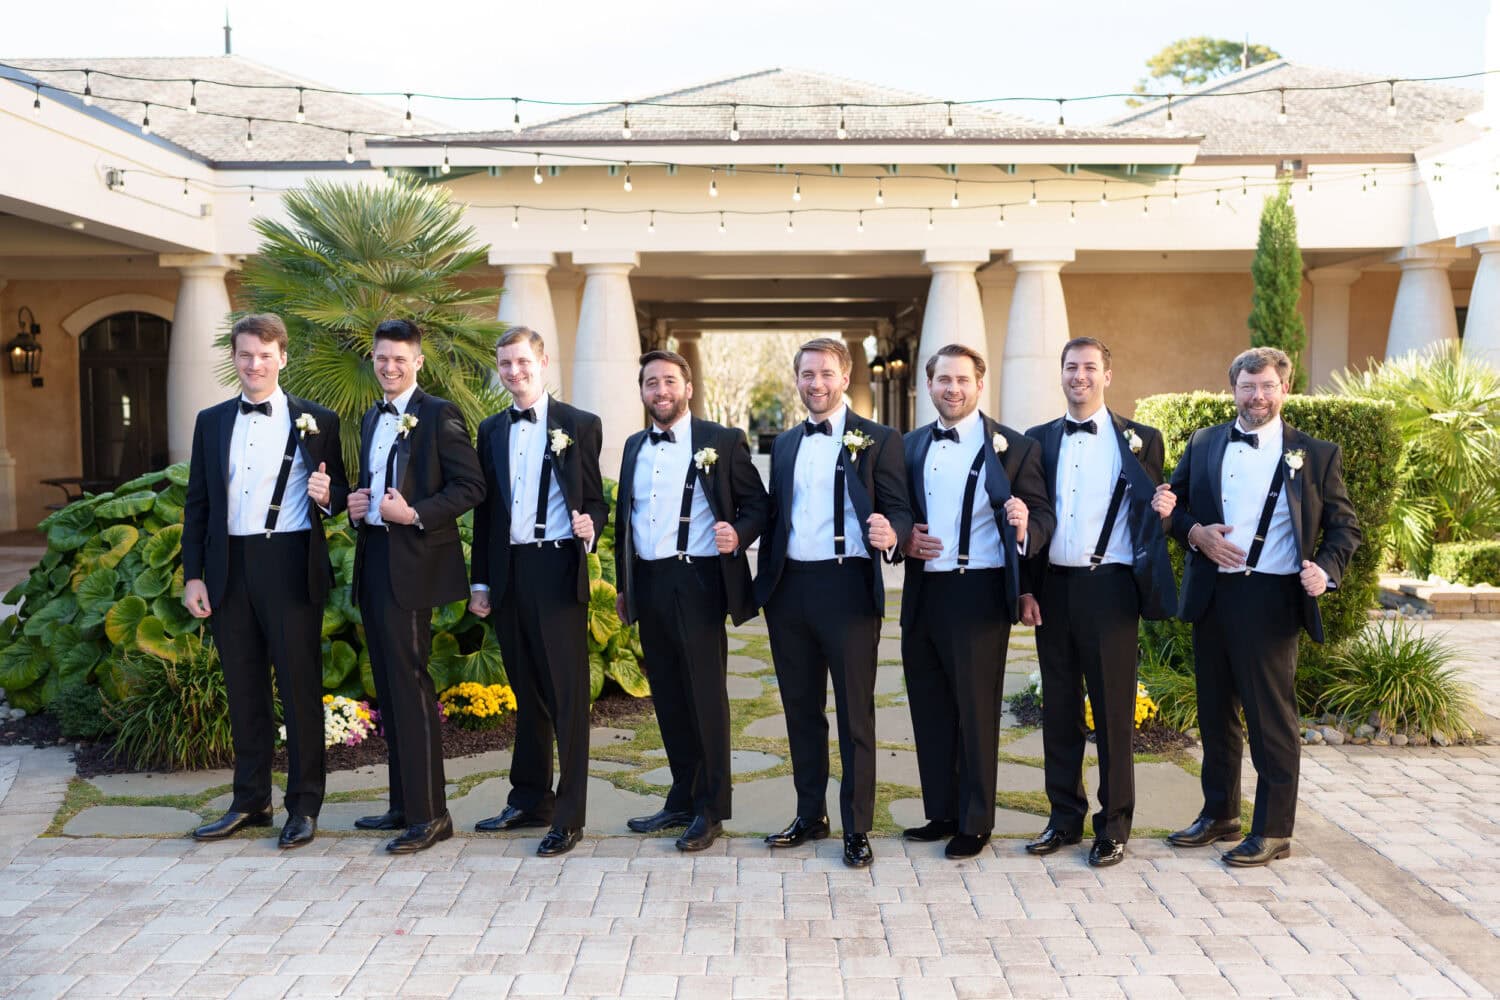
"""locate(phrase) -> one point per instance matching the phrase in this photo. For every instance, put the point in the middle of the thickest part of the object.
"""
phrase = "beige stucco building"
(915, 225)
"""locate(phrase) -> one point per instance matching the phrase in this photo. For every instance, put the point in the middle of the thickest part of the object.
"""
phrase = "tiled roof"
(217, 139)
(923, 119)
(1351, 121)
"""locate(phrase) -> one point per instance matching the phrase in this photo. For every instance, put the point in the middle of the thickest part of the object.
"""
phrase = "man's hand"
(319, 486)
(1314, 579)
(479, 602)
(359, 504)
(1018, 516)
(394, 509)
(583, 527)
(1211, 540)
(1163, 500)
(726, 539)
(921, 545)
(1031, 611)
(195, 598)
(620, 610)
(882, 535)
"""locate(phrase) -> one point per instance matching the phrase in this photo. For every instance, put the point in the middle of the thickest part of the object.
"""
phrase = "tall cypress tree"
(1277, 269)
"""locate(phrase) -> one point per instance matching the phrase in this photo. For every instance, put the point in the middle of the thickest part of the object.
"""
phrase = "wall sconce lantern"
(897, 361)
(877, 367)
(24, 349)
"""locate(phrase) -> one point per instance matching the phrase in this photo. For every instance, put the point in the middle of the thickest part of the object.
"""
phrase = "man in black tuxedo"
(418, 474)
(978, 498)
(690, 503)
(529, 565)
(1106, 568)
(266, 469)
(838, 504)
(1269, 527)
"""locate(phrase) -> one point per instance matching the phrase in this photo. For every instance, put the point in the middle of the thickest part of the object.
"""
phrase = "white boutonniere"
(306, 424)
(405, 424)
(560, 440)
(1134, 440)
(705, 458)
(998, 442)
(1294, 460)
(856, 442)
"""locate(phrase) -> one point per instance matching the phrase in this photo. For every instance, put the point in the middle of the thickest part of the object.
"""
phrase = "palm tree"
(354, 255)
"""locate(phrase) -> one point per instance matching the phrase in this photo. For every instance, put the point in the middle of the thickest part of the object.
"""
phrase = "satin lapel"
(561, 466)
(1215, 480)
(294, 411)
(916, 471)
(500, 458)
(1291, 440)
(856, 468)
(404, 444)
(1051, 447)
(226, 432)
(366, 441)
(997, 484)
(784, 473)
(1135, 473)
(626, 495)
(699, 442)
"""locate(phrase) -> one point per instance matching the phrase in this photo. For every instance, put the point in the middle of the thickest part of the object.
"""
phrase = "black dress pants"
(543, 635)
(266, 619)
(682, 611)
(1089, 636)
(1245, 651)
(822, 621)
(954, 661)
(400, 643)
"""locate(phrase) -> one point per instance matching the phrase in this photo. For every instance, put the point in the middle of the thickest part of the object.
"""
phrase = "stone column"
(953, 315)
(566, 286)
(997, 284)
(201, 315)
(861, 398)
(1328, 343)
(9, 516)
(1482, 328)
(526, 300)
(1423, 314)
(608, 350)
(1030, 390)
(687, 346)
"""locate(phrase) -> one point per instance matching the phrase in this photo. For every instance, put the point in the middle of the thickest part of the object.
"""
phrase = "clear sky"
(588, 49)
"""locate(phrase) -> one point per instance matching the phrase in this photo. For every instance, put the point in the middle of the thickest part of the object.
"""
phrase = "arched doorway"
(122, 392)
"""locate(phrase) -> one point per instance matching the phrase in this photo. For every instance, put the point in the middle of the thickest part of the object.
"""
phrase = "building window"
(122, 397)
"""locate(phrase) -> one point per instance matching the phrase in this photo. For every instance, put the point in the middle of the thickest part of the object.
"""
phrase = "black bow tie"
(1074, 426)
(821, 427)
(945, 434)
(263, 407)
(1249, 437)
(527, 414)
(657, 437)
(386, 407)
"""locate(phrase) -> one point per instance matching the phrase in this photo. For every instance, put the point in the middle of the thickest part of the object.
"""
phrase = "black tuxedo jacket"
(734, 493)
(1150, 563)
(576, 468)
(1017, 471)
(205, 516)
(876, 483)
(1323, 520)
(438, 474)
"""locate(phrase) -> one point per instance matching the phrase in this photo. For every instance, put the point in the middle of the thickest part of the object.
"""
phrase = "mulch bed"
(614, 708)
(1154, 738)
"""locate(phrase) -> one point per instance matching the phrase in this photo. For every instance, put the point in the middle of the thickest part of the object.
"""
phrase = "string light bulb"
(953, 202)
(651, 223)
(252, 194)
(447, 165)
(515, 116)
(193, 98)
(949, 130)
(1390, 106)
(1000, 219)
(1032, 200)
(797, 187)
(1062, 125)
(536, 171)
(929, 220)
(1174, 192)
(1072, 213)
(879, 191)
(734, 123)
(789, 224)
(146, 119)
(584, 225)
(301, 106)
(1281, 114)
(249, 133)
(1218, 198)
(1104, 195)
(859, 225)
(1364, 183)
(406, 122)
(629, 187)
(1146, 206)
(1169, 109)
(515, 217)
(185, 192)
(625, 124)
(843, 132)
(722, 228)
(713, 182)
(349, 151)
(88, 88)
(36, 102)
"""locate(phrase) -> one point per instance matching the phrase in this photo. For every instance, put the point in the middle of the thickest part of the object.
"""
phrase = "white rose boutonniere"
(998, 442)
(856, 442)
(1294, 460)
(1134, 440)
(560, 440)
(406, 423)
(306, 425)
(705, 458)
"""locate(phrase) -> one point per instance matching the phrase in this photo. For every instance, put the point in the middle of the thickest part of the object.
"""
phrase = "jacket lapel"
(366, 442)
(626, 496)
(1051, 447)
(294, 409)
(700, 441)
(226, 432)
(916, 471)
(1291, 440)
(996, 482)
(500, 457)
(1217, 443)
(856, 470)
(1135, 474)
(561, 467)
(784, 473)
(404, 442)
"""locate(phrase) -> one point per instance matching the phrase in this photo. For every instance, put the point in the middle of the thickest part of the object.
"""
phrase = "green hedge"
(1367, 433)
(1468, 563)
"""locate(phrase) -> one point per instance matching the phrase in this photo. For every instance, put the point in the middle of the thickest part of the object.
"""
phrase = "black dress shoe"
(1204, 831)
(421, 836)
(935, 829)
(299, 830)
(389, 820)
(664, 819)
(231, 823)
(700, 835)
(966, 845)
(1106, 852)
(558, 842)
(799, 830)
(1052, 839)
(1258, 850)
(511, 818)
(857, 853)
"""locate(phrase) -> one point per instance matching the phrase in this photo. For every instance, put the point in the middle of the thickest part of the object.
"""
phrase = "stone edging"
(1436, 598)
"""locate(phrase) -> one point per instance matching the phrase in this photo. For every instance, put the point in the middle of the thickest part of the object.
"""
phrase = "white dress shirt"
(1246, 480)
(256, 449)
(811, 535)
(661, 470)
(945, 476)
(1088, 466)
(381, 442)
(528, 444)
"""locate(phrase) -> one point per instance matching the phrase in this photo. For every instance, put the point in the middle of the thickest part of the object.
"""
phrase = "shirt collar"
(964, 426)
(1100, 417)
(401, 401)
(685, 419)
(837, 421)
(1266, 433)
(277, 399)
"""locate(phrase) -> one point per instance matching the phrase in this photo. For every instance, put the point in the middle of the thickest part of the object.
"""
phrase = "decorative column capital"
(607, 261)
(955, 258)
(1419, 258)
(201, 263)
(1485, 240)
(508, 258)
(1040, 258)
